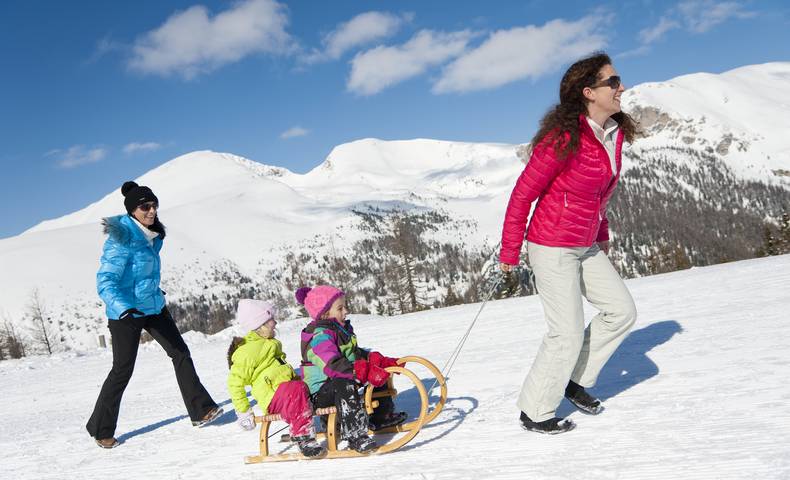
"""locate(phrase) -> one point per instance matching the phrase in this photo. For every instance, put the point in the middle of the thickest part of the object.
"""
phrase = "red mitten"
(389, 362)
(379, 360)
(361, 370)
(377, 376)
(375, 358)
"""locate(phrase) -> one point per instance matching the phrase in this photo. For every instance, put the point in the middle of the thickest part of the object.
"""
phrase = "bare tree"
(42, 329)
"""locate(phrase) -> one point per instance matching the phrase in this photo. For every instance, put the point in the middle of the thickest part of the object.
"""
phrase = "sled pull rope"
(457, 352)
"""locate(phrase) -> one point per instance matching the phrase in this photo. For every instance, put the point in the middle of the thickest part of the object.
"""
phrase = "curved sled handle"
(413, 427)
(440, 380)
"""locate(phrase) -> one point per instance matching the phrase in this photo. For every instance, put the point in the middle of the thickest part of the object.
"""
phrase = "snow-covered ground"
(698, 390)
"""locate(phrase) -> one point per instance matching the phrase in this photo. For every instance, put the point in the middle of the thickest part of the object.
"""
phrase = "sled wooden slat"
(291, 457)
(275, 417)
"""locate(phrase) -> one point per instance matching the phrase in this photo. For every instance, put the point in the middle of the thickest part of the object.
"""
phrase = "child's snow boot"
(362, 444)
(391, 419)
(551, 426)
(585, 402)
(309, 447)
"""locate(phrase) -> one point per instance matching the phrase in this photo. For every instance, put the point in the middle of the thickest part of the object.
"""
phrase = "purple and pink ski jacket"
(328, 351)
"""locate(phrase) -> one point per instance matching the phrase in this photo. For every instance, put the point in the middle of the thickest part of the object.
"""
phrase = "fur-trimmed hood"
(121, 232)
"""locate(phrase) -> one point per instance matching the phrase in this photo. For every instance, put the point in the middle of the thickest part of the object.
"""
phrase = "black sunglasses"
(146, 207)
(612, 82)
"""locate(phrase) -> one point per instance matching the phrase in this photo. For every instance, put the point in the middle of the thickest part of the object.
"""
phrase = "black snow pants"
(343, 394)
(125, 341)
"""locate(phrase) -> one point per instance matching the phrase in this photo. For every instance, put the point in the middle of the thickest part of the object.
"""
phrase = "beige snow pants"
(569, 350)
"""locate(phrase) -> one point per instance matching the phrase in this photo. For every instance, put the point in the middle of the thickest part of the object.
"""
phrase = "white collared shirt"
(607, 135)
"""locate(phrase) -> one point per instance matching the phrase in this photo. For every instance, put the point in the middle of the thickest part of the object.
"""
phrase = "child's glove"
(375, 358)
(246, 420)
(377, 376)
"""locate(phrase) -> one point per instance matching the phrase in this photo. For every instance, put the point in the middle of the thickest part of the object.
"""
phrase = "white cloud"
(135, 147)
(191, 42)
(636, 52)
(293, 132)
(104, 47)
(523, 52)
(381, 67)
(78, 155)
(701, 15)
(695, 16)
(650, 35)
(361, 30)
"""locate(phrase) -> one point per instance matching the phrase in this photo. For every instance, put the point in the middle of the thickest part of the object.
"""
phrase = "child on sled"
(334, 367)
(258, 360)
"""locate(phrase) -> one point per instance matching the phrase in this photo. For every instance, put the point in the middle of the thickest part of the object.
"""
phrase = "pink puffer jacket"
(572, 195)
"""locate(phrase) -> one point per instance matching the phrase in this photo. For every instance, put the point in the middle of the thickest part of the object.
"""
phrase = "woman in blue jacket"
(128, 283)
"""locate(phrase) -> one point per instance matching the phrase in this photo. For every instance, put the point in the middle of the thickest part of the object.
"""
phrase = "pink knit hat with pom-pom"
(318, 300)
(254, 313)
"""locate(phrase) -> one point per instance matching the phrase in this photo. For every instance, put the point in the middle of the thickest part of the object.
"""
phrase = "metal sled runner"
(408, 430)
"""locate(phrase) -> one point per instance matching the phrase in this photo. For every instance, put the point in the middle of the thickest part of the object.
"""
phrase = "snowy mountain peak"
(183, 180)
(739, 116)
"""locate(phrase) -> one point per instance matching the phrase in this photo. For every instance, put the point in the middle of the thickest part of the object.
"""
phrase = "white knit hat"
(254, 313)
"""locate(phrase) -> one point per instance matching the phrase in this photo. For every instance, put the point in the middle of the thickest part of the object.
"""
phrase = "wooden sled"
(408, 430)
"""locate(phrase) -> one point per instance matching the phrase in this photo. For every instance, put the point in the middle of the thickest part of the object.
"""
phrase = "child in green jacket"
(258, 360)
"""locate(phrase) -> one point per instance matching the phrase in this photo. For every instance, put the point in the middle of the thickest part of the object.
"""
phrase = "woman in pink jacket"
(572, 172)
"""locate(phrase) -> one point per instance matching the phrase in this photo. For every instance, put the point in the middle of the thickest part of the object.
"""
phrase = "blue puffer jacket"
(129, 273)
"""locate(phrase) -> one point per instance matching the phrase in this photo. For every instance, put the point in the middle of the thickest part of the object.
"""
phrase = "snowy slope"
(698, 391)
(226, 212)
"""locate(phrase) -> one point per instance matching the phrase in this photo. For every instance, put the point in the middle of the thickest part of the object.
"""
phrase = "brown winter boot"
(107, 442)
(209, 417)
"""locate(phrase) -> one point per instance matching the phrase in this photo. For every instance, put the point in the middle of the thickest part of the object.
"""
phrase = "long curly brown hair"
(560, 125)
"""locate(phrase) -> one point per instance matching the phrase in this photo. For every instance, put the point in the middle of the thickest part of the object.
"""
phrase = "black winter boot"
(362, 443)
(391, 419)
(585, 402)
(309, 447)
(551, 426)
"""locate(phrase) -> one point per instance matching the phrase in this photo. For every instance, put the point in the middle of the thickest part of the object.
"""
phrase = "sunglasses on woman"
(146, 207)
(612, 82)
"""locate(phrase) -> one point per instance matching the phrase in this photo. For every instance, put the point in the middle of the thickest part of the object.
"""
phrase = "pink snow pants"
(291, 401)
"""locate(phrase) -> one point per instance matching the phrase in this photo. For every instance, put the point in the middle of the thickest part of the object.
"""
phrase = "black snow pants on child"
(343, 394)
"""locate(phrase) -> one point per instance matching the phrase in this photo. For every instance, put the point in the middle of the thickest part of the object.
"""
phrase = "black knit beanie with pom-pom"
(135, 195)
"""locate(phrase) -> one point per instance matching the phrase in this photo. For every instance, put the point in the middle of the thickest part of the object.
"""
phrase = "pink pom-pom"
(301, 294)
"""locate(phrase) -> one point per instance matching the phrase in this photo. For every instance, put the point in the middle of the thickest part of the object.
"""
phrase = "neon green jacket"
(259, 362)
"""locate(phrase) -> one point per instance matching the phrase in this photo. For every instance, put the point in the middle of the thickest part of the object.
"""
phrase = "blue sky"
(94, 93)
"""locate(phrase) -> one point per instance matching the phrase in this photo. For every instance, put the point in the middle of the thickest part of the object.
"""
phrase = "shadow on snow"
(630, 365)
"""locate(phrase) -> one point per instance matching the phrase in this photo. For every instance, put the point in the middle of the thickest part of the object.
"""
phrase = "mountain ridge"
(237, 226)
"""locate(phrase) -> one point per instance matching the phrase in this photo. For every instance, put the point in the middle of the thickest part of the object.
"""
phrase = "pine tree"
(784, 234)
(451, 298)
(769, 243)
